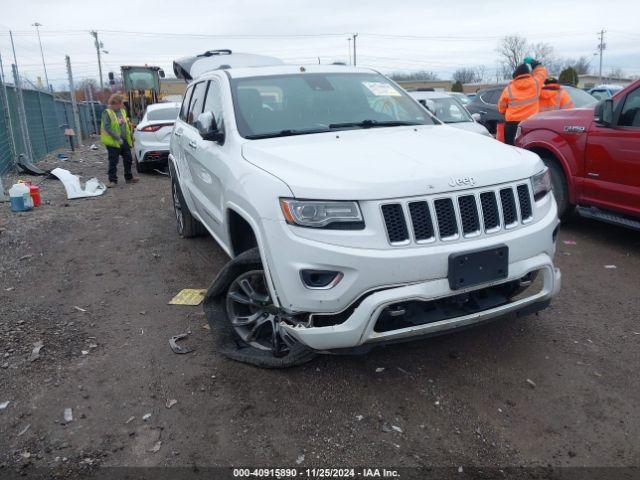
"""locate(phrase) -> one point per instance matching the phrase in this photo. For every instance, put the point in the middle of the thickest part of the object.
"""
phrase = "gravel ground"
(91, 278)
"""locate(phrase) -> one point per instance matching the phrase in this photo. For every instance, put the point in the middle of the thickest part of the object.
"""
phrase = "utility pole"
(74, 105)
(5, 105)
(99, 46)
(601, 47)
(89, 95)
(44, 65)
(355, 35)
(22, 113)
(349, 49)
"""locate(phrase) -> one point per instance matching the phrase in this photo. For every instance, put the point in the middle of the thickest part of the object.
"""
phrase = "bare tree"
(542, 52)
(424, 75)
(616, 72)
(465, 75)
(481, 73)
(512, 49)
(582, 65)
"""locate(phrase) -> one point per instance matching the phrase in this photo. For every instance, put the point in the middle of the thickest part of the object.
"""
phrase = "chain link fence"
(47, 118)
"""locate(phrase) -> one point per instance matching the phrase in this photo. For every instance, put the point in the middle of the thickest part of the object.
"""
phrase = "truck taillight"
(155, 128)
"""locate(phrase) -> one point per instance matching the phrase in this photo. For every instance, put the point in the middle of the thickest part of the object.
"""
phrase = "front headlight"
(322, 214)
(541, 183)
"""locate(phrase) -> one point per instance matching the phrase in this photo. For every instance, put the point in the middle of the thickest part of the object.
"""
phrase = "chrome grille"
(446, 215)
(421, 221)
(395, 222)
(451, 217)
(509, 212)
(526, 212)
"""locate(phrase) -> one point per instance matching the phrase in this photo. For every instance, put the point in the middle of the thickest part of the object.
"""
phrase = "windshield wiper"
(285, 133)
(372, 124)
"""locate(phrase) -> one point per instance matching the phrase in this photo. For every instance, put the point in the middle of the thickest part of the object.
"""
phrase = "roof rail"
(189, 68)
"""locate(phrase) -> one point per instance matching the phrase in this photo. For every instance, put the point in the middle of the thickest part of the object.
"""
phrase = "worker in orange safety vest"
(520, 99)
(554, 97)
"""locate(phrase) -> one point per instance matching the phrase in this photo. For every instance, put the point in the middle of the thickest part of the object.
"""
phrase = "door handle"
(177, 133)
(193, 144)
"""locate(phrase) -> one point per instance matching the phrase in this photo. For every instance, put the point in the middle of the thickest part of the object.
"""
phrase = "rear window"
(163, 114)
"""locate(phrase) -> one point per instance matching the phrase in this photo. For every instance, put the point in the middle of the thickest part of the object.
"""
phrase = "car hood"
(381, 163)
(470, 127)
(572, 117)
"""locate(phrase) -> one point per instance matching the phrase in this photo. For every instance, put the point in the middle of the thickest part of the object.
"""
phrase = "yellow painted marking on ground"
(189, 296)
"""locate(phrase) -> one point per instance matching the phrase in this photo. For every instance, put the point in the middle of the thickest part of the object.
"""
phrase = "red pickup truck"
(594, 156)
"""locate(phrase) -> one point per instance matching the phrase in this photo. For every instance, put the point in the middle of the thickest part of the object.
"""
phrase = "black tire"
(142, 167)
(229, 342)
(186, 224)
(560, 189)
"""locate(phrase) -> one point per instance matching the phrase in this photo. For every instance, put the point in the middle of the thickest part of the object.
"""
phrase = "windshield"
(282, 105)
(461, 97)
(447, 110)
(579, 97)
(163, 114)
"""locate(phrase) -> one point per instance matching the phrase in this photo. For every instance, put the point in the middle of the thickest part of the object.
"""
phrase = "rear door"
(190, 138)
(176, 147)
(613, 158)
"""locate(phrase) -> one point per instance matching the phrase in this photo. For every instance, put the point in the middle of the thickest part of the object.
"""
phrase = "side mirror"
(476, 117)
(208, 128)
(603, 113)
(161, 73)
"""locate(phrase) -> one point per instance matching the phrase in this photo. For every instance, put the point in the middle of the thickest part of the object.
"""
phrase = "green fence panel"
(52, 131)
(15, 120)
(5, 141)
(35, 124)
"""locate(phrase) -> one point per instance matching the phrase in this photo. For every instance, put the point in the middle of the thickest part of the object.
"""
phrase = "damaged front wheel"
(249, 326)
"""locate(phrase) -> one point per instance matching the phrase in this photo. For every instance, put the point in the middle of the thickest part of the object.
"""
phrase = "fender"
(259, 240)
(566, 152)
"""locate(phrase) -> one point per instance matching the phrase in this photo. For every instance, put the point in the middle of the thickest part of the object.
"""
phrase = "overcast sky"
(393, 35)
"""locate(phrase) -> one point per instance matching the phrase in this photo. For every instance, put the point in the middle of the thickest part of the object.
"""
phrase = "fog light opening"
(320, 279)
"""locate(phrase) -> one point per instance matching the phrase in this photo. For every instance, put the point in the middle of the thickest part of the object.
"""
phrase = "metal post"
(5, 102)
(601, 47)
(44, 127)
(98, 47)
(93, 110)
(22, 114)
(74, 105)
(355, 35)
(44, 65)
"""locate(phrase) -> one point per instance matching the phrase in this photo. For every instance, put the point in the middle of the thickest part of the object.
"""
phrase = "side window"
(185, 104)
(213, 103)
(491, 96)
(630, 115)
(197, 101)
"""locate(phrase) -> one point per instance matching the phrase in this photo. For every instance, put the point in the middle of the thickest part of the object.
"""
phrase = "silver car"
(449, 110)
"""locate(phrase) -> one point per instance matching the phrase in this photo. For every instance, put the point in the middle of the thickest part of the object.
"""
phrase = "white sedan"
(151, 136)
(449, 110)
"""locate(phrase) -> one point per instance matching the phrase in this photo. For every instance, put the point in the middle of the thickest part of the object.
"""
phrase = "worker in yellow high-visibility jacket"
(116, 135)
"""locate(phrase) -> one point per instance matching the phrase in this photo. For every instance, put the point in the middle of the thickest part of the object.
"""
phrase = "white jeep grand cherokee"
(352, 217)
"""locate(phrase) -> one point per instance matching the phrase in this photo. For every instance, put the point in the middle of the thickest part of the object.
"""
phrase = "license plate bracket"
(475, 267)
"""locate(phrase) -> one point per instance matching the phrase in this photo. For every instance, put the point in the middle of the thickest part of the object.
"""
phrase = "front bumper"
(359, 329)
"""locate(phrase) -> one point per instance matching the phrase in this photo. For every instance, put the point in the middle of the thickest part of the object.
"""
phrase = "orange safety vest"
(554, 97)
(520, 99)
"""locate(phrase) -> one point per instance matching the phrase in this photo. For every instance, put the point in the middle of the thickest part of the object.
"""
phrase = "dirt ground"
(91, 278)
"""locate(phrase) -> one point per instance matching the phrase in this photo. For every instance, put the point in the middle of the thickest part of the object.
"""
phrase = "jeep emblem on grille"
(462, 182)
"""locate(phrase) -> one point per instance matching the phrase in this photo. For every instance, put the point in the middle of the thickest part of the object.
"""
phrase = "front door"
(612, 159)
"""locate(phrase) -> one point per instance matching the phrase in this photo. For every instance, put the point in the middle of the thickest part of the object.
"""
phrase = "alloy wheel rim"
(253, 316)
